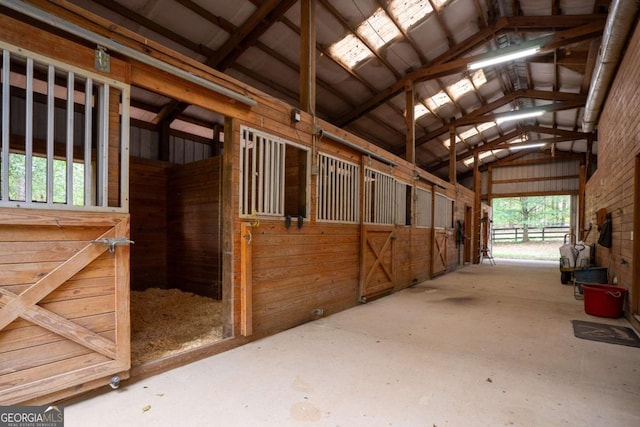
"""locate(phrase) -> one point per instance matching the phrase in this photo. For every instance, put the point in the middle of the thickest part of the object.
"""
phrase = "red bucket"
(603, 300)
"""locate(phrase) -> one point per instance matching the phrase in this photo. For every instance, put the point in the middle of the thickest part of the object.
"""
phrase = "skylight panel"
(437, 100)
(478, 78)
(419, 110)
(469, 133)
(483, 155)
(460, 87)
(378, 29)
(410, 12)
(350, 51)
(485, 126)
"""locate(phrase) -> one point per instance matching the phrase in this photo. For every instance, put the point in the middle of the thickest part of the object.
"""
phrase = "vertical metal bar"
(69, 142)
(28, 135)
(88, 141)
(103, 150)
(282, 172)
(6, 97)
(260, 190)
(51, 107)
(257, 146)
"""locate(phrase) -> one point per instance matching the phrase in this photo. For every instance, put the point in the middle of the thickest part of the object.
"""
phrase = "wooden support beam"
(452, 154)
(410, 124)
(477, 189)
(246, 288)
(307, 56)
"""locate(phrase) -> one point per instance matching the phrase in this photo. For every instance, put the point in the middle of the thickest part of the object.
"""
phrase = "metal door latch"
(113, 241)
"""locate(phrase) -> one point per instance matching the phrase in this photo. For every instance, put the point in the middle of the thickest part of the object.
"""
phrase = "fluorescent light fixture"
(506, 57)
(518, 115)
(525, 146)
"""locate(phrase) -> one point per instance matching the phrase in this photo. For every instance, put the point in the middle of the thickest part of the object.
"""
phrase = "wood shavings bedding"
(165, 322)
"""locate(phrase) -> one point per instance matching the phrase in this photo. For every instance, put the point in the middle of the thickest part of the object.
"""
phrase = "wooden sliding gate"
(64, 298)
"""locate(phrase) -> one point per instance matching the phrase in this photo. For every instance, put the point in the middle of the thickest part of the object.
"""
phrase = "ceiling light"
(504, 57)
(525, 146)
(517, 115)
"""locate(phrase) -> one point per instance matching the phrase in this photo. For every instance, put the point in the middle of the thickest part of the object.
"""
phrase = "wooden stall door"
(440, 252)
(64, 298)
(377, 275)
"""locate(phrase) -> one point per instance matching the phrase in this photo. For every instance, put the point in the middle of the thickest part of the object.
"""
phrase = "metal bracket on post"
(113, 241)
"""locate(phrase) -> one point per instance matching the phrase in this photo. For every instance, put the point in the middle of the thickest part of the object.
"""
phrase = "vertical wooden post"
(410, 123)
(432, 264)
(308, 55)
(581, 204)
(229, 298)
(452, 155)
(477, 189)
(246, 288)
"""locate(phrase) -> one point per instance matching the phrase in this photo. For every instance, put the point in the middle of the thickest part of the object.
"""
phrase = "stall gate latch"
(113, 241)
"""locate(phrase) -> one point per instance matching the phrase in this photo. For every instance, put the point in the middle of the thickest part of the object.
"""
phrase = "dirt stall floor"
(165, 322)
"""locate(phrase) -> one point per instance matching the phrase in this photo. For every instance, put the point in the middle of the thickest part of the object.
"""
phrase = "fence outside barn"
(516, 234)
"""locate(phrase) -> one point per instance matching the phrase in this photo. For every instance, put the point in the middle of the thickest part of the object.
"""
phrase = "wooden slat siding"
(148, 208)
(24, 233)
(412, 256)
(44, 43)
(15, 379)
(290, 277)
(193, 234)
(17, 337)
(612, 185)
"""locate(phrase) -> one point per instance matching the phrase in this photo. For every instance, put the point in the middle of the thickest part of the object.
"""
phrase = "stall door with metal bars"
(64, 228)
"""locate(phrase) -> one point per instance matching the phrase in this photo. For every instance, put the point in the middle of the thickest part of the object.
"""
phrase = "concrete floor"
(485, 346)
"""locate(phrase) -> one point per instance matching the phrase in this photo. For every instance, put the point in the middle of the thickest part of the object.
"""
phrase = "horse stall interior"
(176, 292)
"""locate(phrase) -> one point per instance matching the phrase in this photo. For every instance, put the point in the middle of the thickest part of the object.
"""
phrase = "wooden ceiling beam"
(249, 32)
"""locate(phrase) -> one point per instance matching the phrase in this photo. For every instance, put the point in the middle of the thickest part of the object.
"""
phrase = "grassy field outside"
(548, 250)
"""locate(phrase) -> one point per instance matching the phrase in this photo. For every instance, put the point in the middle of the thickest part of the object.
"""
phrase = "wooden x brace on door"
(379, 261)
(25, 304)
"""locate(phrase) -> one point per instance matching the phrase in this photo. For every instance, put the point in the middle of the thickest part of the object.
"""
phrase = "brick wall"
(612, 186)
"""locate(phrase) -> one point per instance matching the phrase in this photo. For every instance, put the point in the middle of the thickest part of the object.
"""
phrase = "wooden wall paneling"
(193, 227)
(148, 208)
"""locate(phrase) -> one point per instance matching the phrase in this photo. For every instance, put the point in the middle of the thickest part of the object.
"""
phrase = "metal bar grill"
(262, 174)
(423, 208)
(338, 190)
(379, 197)
(48, 110)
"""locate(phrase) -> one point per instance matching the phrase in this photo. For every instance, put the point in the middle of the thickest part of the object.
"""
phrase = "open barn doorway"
(531, 227)
(175, 206)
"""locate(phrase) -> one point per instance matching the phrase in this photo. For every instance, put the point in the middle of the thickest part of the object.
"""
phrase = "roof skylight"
(460, 87)
(410, 12)
(437, 100)
(419, 110)
(378, 29)
(350, 50)
(483, 155)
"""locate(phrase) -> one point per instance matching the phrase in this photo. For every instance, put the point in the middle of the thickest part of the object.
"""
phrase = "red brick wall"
(612, 186)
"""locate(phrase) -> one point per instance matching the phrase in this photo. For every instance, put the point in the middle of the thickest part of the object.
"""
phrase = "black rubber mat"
(612, 334)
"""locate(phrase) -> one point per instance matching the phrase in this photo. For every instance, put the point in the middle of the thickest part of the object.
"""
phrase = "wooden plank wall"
(148, 208)
(193, 237)
(612, 186)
